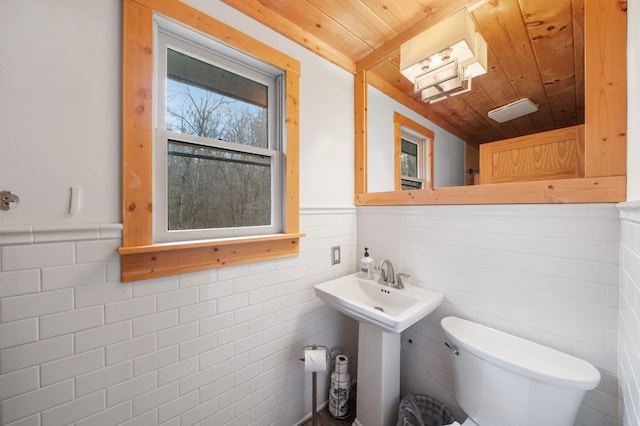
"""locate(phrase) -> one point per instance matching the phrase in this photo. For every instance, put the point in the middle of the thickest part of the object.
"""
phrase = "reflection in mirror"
(448, 159)
(413, 154)
(525, 65)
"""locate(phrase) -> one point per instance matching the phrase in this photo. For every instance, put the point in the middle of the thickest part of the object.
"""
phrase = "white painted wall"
(60, 108)
(448, 150)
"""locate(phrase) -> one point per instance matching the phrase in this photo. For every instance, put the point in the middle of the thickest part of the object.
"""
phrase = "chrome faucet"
(386, 277)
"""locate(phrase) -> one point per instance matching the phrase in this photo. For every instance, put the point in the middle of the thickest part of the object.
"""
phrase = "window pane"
(208, 101)
(409, 159)
(216, 188)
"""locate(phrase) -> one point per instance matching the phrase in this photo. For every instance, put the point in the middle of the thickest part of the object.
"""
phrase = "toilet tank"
(504, 380)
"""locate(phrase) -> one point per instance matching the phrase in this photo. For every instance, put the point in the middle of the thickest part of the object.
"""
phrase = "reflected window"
(414, 154)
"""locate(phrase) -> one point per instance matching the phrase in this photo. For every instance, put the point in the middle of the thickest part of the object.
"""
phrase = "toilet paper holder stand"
(314, 379)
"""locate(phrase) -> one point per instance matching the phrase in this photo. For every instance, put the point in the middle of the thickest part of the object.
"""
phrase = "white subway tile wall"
(629, 335)
(548, 273)
(208, 348)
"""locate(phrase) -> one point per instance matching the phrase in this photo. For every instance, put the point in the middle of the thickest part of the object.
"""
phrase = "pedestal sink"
(383, 313)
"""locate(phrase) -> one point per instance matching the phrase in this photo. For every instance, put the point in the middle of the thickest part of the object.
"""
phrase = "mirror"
(375, 101)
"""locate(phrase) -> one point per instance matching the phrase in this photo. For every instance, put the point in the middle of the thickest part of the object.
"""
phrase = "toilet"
(504, 380)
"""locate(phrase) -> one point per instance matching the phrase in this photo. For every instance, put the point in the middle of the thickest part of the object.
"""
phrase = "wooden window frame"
(140, 258)
(400, 122)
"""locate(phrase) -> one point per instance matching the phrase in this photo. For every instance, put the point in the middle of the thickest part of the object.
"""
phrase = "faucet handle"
(402, 279)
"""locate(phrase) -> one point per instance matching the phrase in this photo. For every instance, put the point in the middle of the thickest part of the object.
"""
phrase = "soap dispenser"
(366, 265)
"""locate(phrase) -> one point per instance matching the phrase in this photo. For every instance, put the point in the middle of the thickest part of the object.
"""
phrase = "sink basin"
(367, 301)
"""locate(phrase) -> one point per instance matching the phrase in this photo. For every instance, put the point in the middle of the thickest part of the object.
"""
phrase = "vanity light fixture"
(513, 110)
(442, 60)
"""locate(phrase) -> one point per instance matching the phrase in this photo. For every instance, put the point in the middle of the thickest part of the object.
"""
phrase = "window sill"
(159, 260)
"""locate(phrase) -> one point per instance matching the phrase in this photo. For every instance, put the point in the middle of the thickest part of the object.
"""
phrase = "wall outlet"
(335, 255)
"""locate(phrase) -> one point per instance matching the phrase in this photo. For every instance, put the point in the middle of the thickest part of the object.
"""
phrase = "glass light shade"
(453, 87)
(456, 32)
(435, 76)
(477, 64)
(427, 59)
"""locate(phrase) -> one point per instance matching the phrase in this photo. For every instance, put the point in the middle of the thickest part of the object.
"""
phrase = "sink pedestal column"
(378, 393)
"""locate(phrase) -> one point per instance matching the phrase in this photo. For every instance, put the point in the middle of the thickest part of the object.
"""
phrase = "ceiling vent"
(513, 110)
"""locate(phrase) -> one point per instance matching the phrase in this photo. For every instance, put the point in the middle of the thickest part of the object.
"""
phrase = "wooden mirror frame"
(605, 126)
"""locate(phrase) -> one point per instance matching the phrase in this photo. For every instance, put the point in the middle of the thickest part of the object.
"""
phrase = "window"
(412, 161)
(414, 154)
(218, 146)
(211, 178)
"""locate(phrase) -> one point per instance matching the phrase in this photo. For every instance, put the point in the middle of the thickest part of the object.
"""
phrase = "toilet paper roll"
(340, 392)
(315, 360)
(339, 407)
(342, 364)
(340, 380)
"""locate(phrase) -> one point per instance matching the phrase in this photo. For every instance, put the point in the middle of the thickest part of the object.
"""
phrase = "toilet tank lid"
(521, 356)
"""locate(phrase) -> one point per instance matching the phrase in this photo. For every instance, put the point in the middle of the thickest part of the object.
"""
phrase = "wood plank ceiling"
(535, 51)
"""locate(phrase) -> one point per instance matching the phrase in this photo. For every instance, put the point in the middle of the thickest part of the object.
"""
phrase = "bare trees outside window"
(225, 181)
